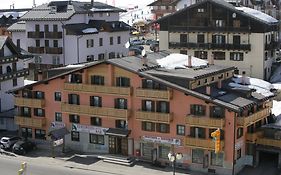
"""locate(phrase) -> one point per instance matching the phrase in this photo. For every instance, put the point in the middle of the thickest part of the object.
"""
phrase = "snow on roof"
(90, 30)
(276, 111)
(180, 60)
(276, 77)
(27, 82)
(257, 14)
(261, 86)
(74, 66)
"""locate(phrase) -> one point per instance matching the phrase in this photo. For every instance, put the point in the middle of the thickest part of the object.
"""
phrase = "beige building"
(237, 36)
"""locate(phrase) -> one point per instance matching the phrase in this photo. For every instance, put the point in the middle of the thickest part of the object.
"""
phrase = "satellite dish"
(127, 45)
(143, 53)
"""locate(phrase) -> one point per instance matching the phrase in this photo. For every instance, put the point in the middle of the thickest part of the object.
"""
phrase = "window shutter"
(125, 104)
(143, 105)
(78, 100)
(167, 107)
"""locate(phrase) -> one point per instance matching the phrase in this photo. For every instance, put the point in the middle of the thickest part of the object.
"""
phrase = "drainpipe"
(233, 156)
(63, 42)
(78, 37)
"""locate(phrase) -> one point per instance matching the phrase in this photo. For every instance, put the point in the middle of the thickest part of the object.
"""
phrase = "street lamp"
(173, 157)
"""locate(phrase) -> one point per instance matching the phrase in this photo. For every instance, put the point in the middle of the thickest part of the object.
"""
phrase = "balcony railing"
(35, 35)
(37, 50)
(253, 137)
(210, 46)
(8, 59)
(154, 116)
(30, 122)
(99, 111)
(54, 35)
(269, 142)
(246, 121)
(12, 75)
(30, 102)
(201, 143)
(53, 50)
(271, 45)
(204, 122)
(112, 90)
(203, 28)
(154, 94)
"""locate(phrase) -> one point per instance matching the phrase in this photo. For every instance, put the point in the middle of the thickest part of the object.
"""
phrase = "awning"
(56, 134)
(118, 132)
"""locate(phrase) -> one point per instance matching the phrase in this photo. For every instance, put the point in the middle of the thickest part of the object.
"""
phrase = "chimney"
(211, 59)
(92, 3)
(219, 84)
(243, 78)
(189, 61)
(208, 89)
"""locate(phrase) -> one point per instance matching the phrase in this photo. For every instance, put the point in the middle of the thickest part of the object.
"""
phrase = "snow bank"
(27, 82)
(90, 30)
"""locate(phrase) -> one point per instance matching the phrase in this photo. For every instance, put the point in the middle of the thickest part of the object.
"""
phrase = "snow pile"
(276, 111)
(180, 61)
(261, 86)
(90, 30)
(27, 82)
(257, 14)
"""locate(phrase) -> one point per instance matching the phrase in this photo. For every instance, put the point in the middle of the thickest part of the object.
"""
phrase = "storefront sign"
(57, 125)
(88, 129)
(162, 140)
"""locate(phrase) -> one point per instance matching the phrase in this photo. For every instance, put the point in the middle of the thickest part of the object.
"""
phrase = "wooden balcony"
(30, 102)
(204, 122)
(154, 117)
(269, 142)
(109, 90)
(37, 50)
(246, 121)
(99, 111)
(30, 122)
(35, 34)
(201, 143)
(253, 137)
(53, 35)
(53, 50)
(154, 94)
(14, 74)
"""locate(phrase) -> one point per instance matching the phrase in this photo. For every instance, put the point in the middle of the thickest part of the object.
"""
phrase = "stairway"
(121, 160)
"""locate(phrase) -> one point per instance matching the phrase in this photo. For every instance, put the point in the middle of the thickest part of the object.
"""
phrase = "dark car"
(154, 46)
(136, 49)
(22, 147)
(8, 142)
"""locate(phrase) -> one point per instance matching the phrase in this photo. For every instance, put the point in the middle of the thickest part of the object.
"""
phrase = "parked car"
(8, 142)
(22, 147)
(137, 49)
(149, 41)
(136, 42)
(154, 46)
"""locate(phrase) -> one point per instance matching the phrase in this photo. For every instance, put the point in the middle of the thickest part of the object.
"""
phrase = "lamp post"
(173, 157)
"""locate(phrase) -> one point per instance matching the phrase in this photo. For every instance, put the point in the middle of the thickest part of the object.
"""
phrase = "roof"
(163, 3)
(245, 11)
(17, 27)
(118, 132)
(63, 10)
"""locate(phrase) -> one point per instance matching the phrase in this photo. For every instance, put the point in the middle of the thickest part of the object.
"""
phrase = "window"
(197, 156)
(37, 28)
(147, 84)
(148, 105)
(55, 43)
(46, 28)
(184, 52)
(74, 118)
(101, 56)
(100, 42)
(75, 136)
(198, 110)
(200, 38)
(164, 151)
(216, 112)
(219, 55)
(236, 56)
(97, 80)
(39, 112)
(90, 43)
(39, 95)
(37, 43)
(216, 159)
(26, 111)
(162, 127)
(120, 124)
(163, 106)
(95, 101)
(236, 23)
(121, 103)
(238, 154)
(57, 96)
(201, 54)
(148, 126)
(96, 121)
(181, 130)
(18, 43)
(40, 134)
(26, 132)
(122, 82)
(90, 58)
(55, 28)
(47, 44)
(58, 117)
(236, 40)
(111, 55)
(107, 14)
(111, 40)
(183, 38)
(219, 23)
(97, 139)
(239, 132)
(75, 78)
(197, 132)
(15, 81)
(200, 10)
(73, 99)
(218, 39)
(119, 40)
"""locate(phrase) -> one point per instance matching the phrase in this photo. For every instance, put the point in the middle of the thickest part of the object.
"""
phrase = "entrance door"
(206, 161)
(112, 144)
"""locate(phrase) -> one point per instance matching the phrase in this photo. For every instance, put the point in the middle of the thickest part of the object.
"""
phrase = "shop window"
(197, 156)
(217, 159)
(40, 134)
(164, 151)
(181, 130)
(26, 132)
(75, 136)
(97, 139)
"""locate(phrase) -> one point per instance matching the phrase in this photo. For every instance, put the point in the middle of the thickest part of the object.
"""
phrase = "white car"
(8, 142)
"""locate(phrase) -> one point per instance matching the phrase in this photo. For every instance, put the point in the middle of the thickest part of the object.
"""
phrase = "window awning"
(56, 134)
(118, 132)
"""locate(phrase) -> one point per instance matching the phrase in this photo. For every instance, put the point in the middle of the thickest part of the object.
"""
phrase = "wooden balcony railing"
(253, 137)
(154, 117)
(269, 142)
(35, 34)
(201, 143)
(14, 74)
(204, 122)
(37, 50)
(99, 111)
(30, 102)
(246, 121)
(30, 122)
(54, 35)
(112, 90)
(53, 50)
(154, 94)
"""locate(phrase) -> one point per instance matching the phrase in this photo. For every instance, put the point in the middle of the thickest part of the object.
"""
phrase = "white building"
(12, 74)
(70, 32)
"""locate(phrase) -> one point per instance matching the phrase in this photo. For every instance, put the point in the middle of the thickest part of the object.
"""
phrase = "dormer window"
(53, 9)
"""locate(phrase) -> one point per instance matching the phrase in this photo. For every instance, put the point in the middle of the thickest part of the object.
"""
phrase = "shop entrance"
(118, 145)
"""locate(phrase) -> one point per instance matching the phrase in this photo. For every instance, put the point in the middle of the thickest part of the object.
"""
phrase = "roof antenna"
(34, 5)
